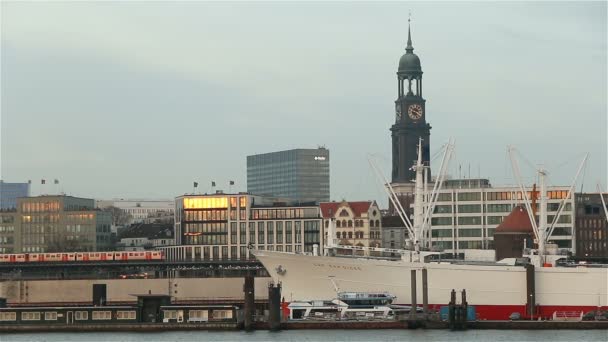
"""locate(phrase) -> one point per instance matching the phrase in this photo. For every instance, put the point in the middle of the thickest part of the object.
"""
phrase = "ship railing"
(568, 316)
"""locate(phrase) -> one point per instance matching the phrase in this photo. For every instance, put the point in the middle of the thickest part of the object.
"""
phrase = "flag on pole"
(196, 184)
(42, 181)
(56, 181)
(231, 182)
(212, 183)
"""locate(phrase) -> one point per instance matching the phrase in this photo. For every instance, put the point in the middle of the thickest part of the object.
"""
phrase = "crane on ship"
(424, 205)
(599, 189)
(542, 230)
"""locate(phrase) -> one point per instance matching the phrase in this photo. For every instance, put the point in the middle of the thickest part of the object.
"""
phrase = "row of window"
(477, 220)
(500, 196)
(37, 207)
(289, 213)
(78, 315)
(358, 223)
(358, 235)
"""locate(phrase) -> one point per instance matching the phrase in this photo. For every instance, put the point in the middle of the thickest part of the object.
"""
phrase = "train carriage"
(11, 258)
(83, 257)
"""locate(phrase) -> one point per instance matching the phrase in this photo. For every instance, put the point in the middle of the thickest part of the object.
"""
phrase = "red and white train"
(82, 256)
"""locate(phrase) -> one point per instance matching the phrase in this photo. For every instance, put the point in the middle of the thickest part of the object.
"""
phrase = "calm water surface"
(324, 335)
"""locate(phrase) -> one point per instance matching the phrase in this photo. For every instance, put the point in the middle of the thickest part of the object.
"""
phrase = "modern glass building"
(9, 192)
(222, 226)
(300, 174)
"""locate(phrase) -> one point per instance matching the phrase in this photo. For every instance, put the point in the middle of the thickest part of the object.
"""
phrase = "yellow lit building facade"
(221, 226)
(54, 224)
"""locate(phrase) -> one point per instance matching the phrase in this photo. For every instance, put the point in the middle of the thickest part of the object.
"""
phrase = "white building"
(466, 215)
(140, 209)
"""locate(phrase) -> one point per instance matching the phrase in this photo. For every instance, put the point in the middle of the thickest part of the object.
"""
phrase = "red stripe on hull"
(502, 312)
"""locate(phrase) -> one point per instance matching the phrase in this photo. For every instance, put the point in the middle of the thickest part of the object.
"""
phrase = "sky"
(140, 99)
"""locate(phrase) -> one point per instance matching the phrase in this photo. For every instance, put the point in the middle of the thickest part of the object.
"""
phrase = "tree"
(119, 216)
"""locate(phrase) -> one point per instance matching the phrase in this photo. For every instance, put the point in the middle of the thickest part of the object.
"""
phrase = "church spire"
(409, 48)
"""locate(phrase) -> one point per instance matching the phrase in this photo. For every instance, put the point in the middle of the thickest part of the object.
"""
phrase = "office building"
(300, 174)
(9, 192)
(591, 226)
(465, 218)
(222, 226)
(54, 224)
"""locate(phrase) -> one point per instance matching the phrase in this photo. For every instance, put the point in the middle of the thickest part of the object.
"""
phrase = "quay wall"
(27, 292)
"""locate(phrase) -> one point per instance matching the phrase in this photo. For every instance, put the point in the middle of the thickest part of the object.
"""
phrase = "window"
(170, 314)
(338, 225)
(343, 213)
(498, 196)
(125, 314)
(443, 209)
(469, 244)
(469, 232)
(469, 220)
(495, 219)
(469, 196)
(270, 233)
(8, 316)
(441, 221)
(498, 208)
(197, 315)
(288, 232)
(561, 219)
(50, 316)
(101, 315)
(30, 316)
(81, 315)
(222, 314)
(442, 244)
(559, 194)
(441, 233)
(444, 197)
(371, 223)
(350, 223)
(298, 231)
(469, 208)
(260, 233)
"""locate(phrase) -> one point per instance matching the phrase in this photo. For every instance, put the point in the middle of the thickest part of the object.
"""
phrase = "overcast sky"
(140, 99)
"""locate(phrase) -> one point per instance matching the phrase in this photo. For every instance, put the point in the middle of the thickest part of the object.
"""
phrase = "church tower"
(410, 117)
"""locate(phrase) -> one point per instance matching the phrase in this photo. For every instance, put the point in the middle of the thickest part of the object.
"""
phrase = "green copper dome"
(409, 64)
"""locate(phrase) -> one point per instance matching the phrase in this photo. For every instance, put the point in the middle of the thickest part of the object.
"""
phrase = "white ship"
(495, 290)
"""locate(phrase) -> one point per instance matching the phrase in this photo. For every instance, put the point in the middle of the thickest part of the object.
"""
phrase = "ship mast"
(418, 200)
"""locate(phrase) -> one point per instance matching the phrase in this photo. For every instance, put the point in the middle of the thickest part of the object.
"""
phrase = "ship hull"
(495, 291)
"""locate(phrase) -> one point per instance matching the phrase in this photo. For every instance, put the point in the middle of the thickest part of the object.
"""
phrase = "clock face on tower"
(414, 111)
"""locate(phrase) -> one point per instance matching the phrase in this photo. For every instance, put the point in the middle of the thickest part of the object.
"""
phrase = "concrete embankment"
(29, 328)
(308, 325)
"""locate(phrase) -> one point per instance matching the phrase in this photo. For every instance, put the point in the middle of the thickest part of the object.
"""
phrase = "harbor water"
(323, 335)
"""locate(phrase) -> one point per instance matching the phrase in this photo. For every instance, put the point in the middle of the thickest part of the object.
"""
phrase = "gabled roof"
(517, 222)
(329, 209)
